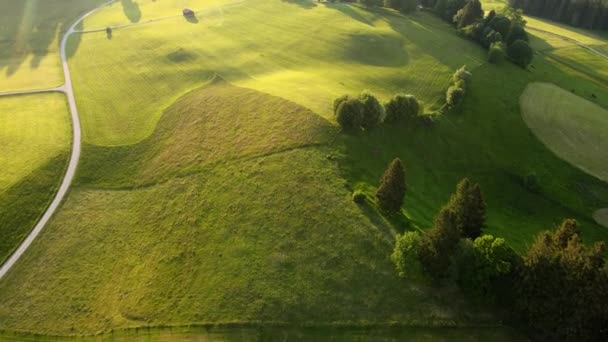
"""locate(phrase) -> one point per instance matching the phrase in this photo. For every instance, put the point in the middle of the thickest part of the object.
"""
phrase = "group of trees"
(558, 289)
(502, 33)
(590, 14)
(366, 112)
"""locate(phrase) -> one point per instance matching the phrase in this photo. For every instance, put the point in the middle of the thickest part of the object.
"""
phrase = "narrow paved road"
(72, 165)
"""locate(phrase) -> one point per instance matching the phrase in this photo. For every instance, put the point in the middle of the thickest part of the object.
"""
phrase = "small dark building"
(188, 12)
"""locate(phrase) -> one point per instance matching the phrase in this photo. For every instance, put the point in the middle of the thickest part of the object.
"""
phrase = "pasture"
(35, 135)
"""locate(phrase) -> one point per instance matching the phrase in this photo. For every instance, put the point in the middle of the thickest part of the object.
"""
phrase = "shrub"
(405, 255)
(338, 101)
(531, 182)
(454, 96)
(359, 197)
(516, 32)
(391, 191)
(462, 74)
(438, 244)
(402, 107)
(496, 53)
(349, 114)
(373, 111)
(483, 266)
(470, 209)
(501, 24)
(521, 53)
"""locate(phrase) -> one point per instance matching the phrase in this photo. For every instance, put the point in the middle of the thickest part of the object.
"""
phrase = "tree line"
(589, 14)
(557, 290)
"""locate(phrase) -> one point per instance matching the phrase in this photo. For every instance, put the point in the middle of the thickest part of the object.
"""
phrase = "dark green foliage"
(562, 290)
(402, 107)
(500, 24)
(470, 209)
(405, 255)
(370, 3)
(521, 53)
(438, 244)
(532, 183)
(391, 191)
(359, 197)
(467, 15)
(349, 114)
(452, 7)
(373, 111)
(516, 32)
(473, 31)
(484, 265)
(440, 7)
(516, 16)
(496, 53)
(454, 96)
(338, 101)
(589, 14)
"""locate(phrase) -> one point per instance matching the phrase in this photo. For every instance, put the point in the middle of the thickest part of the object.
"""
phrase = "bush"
(517, 32)
(391, 191)
(483, 266)
(501, 24)
(349, 114)
(496, 53)
(454, 96)
(468, 14)
(359, 197)
(531, 182)
(462, 74)
(405, 255)
(373, 111)
(521, 53)
(338, 101)
(402, 107)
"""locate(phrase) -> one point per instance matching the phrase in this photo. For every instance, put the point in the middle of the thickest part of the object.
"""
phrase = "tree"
(401, 107)
(562, 289)
(440, 7)
(467, 15)
(470, 209)
(438, 244)
(373, 111)
(452, 7)
(392, 188)
(349, 114)
(521, 53)
(500, 24)
(516, 16)
(462, 74)
(454, 96)
(405, 255)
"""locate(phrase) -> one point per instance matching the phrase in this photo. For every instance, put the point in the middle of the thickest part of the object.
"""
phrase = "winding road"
(67, 89)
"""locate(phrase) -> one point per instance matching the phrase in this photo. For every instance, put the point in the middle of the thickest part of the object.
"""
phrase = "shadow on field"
(131, 10)
(308, 4)
(191, 19)
(352, 11)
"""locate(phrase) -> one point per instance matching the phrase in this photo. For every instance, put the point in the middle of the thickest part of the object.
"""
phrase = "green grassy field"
(35, 135)
(308, 56)
(572, 127)
(29, 41)
(264, 231)
(231, 203)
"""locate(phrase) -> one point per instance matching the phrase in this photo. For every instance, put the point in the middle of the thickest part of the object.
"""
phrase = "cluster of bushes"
(558, 289)
(457, 89)
(366, 112)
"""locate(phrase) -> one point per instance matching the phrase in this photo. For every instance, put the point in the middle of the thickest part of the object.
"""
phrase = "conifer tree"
(470, 208)
(391, 191)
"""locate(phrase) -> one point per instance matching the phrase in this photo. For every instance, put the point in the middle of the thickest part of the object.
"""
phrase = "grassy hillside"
(35, 138)
(30, 35)
(266, 232)
(308, 56)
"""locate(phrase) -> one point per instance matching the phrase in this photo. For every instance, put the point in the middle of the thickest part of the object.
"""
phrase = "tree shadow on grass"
(352, 11)
(308, 4)
(132, 11)
(388, 224)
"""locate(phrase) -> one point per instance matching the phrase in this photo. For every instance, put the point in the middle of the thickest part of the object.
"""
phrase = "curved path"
(76, 146)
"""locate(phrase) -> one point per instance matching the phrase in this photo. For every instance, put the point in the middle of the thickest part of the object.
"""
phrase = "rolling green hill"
(206, 199)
